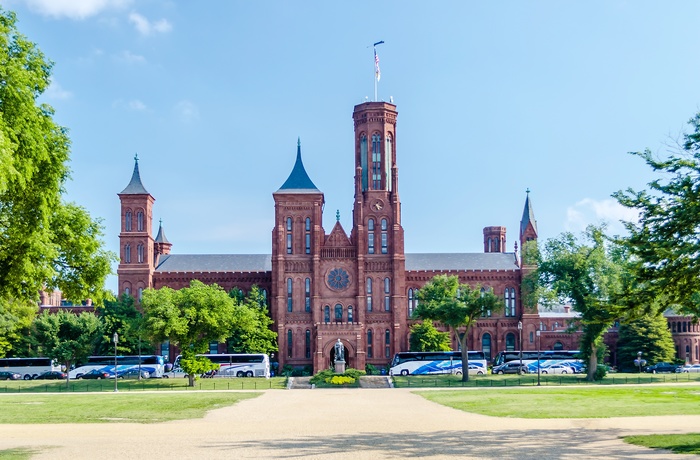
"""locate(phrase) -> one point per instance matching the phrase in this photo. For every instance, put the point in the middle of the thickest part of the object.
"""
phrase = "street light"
(538, 356)
(639, 362)
(520, 345)
(115, 338)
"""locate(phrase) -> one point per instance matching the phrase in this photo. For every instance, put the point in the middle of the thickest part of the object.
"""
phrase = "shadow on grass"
(533, 444)
(19, 453)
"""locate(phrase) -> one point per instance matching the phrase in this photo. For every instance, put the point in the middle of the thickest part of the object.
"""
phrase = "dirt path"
(342, 423)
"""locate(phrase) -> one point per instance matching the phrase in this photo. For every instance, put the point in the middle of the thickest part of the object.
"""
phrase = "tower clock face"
(378, 205)
(338, 279)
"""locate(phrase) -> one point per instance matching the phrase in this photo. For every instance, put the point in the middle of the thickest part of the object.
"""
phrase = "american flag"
(377, 73)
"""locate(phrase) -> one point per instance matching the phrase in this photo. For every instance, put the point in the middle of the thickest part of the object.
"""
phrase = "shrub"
(600, 372)
(340, 380)
(328, 374)
(371, 369)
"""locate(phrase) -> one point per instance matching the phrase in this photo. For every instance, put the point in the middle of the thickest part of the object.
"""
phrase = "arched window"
(127, 253)
(290, 301)
(307, 236)
(369, 294)
(350, 314)
(485, 313)
(370, 236)
(363, 160)
(289, 235)
(376, 162)
(486, 346)
(327, 314)
(510, 301)
(290, 343)
(127, 221)
(307, 344)
(139, 221)
(387, 294)
(369, 343)
(387, 344)
(388, 155)
(140, 291)
(139, 253)
(338, 313)
(510, 341)
(532, 337)
(384, 236)
(410, 302)
(558, 346)
(307, 295)
(127, 291)
(542, 326)
(685, 326)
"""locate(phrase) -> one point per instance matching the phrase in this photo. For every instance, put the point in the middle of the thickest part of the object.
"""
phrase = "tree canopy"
(251, 332)
(648, 334)
(425, 337)
(44, 242)
(457, 306)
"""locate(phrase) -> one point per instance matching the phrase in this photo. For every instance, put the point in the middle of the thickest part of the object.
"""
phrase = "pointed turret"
(528, 224)
(161, 238)
(135, 186)
(298, 180)
(161, 244)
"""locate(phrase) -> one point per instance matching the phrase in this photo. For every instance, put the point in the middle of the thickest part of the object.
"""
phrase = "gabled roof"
(215, 263)
(528, 215)
(461, 261)
(135, 187)
(298, 180)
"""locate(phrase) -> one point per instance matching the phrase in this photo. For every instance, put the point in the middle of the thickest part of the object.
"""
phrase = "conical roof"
(135, 187)
(161, 238)
(528, 215)
(298, 180)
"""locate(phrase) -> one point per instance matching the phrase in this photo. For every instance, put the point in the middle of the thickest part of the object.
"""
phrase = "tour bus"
(153, 364)
(237, 364)
(546, 358)
(436, 362)
(28, 368)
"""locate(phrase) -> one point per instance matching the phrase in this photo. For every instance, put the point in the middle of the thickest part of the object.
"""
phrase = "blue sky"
(493, 98)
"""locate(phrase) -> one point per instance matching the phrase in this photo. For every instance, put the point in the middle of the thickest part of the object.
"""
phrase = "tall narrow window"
(213, 347)
(387, 344)
(139, 221)
(290, 301)
(349, 313)
(127, 291)
(290, 343)
(140, 293)
(165, 350)
(289, 235)
(127, 221)
(307, 236)
(307, 344)
(510, 301)
(369, 294)
(264, 296)
(384, 236)
(127, 253)
(486, 346)
(327, 314)
(139, 253)
(410, 302)
(369, 343)
(338, 313)
(486, 312)
(387, 294)
(388, 155)
(510, 341)
(370, 236)
(376, 162)
(307, 295)
(363, 160)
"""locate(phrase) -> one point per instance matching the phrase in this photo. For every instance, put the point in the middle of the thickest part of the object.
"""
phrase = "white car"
(176, 372)
(689, 368)
(557, 369)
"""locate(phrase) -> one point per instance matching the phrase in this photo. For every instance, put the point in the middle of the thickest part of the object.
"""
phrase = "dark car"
(511, 367)
(51, 375)
(4, 375)
(95, 374)
(661, 367)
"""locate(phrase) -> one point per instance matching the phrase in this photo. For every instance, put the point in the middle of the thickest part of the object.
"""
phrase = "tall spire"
(298, 179)
(161, 238)
(135, 187)
(528, 216)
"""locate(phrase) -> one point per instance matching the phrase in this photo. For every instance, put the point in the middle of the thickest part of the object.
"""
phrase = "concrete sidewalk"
(347, 423)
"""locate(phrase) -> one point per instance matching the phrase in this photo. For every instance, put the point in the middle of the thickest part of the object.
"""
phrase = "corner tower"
(136, 245)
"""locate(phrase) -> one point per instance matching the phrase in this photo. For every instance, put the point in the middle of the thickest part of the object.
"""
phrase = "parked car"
(95, 374)
(557, 369)
(4, 375)
(132, 373)
(661, 367)
(689, 368)
(175, 372)
(511, 367)
(51, 375)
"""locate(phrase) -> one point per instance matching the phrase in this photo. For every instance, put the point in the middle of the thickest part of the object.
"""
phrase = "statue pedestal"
(340, 366)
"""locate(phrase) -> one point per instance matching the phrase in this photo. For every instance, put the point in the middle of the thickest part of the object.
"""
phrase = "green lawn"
(678, 443)
(16, 454)
(114, 407)
(567, 402)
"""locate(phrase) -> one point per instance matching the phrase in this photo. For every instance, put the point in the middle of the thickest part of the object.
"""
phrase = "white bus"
(237, 364)
(153, 364)
(436, 362)
(28, 367)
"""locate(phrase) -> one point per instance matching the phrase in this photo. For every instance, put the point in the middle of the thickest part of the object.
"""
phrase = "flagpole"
(377, 74)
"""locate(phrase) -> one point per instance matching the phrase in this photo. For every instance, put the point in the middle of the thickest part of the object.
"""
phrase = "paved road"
(347, 423)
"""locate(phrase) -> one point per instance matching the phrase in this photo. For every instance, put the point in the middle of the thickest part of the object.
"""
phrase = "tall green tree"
(591, 275)
(664, 240)
(252, 330)
(122, 316)
(16, 318)
(425, 337)
(457, 306)
(44, 242)
(66, 337)
(190, 318)
(648, 334)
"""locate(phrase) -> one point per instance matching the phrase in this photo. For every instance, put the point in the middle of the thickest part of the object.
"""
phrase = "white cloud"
(590, 211)
(135, 104)
(187, 111)
(74, 9)
(57, 92)
(146, 27)
(132, 58)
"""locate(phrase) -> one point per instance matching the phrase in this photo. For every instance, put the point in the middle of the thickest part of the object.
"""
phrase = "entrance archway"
(348, 354)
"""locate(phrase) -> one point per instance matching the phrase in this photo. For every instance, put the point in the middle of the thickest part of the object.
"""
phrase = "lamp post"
(639, 362)
(520, 345)
(115, 338)
(538, 356)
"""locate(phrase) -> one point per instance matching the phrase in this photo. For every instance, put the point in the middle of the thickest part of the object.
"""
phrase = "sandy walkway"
(356, 424)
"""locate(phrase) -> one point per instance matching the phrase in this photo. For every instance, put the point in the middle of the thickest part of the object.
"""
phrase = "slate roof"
(298, 180)
(161, 238)
(215, 263)
(135, 186)
(461, 261)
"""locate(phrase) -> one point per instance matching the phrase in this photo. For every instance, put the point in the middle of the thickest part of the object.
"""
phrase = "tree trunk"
(465, 354)
(592, 363)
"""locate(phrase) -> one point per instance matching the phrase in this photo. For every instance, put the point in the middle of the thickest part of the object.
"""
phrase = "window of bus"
(486, 346)
(510, 341)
